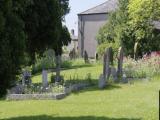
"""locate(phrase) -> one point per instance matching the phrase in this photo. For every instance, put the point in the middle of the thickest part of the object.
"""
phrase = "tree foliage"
(12, 44)
(142, 13)
(112, 32)
(43, 22)
(29, 27)
(131, 26)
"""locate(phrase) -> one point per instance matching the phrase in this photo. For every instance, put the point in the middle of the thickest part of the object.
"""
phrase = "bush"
(53, 78)
(66, 64)
(47, 61)
(102, 48)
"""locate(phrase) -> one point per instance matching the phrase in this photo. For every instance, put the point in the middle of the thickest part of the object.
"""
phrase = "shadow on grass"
(95, 88)
(64, 69)
(2, 99)
(45, 117)
(77, 66)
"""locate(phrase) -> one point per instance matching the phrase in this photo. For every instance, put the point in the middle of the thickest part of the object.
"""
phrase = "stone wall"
(49, 96)
(36, 96)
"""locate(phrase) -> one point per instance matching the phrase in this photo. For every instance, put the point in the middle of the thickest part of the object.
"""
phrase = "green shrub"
(47, 61)
(102, 48)
(66, 64)
(53, 78)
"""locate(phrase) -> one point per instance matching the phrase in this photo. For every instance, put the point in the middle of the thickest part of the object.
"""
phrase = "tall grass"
(148, 66)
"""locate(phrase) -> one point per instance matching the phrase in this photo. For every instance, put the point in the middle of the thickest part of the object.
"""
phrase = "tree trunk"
(135, 50)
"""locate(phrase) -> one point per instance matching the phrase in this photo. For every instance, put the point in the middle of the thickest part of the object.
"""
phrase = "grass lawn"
(79, 72)
(137, 101)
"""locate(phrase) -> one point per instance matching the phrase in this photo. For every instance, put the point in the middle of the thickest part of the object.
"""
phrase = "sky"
(78, 6)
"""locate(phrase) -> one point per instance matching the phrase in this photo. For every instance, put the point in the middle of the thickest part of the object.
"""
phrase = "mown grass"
(138, 101)
(76, 72)
(135, 101)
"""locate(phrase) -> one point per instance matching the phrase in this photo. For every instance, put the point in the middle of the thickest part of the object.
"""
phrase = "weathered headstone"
(44, 79)
(18, 89)
(114, 74)
(106, 68)
(124, 78)
(86, 57)
(101, 82)
(26, 78)
(120, 62)
(72, 54)
(96, 56)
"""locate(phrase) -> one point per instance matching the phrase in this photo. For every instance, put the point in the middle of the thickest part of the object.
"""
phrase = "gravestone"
(86, 57)
(101, 82)
(18, 89)
(72, 54)
(96, 56)
(44, 79)
(120, 62)
(124, 78)
(26, 78)
(106, 68)
(114, 74)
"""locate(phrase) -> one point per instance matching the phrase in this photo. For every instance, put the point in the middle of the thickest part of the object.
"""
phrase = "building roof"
(108, 6)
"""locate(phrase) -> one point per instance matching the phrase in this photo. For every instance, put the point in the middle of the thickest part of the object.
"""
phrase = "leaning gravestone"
(44, 79)
(120, 62)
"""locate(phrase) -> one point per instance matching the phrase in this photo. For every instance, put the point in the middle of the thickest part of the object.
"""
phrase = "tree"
(112, 33)
(43, 21)
(12, 44)
(28, 26)
(64, 39)
(142, 13)
(43, 24)
(131, 26)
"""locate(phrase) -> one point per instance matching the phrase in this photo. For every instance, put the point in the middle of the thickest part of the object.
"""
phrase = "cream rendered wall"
(88, 28)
